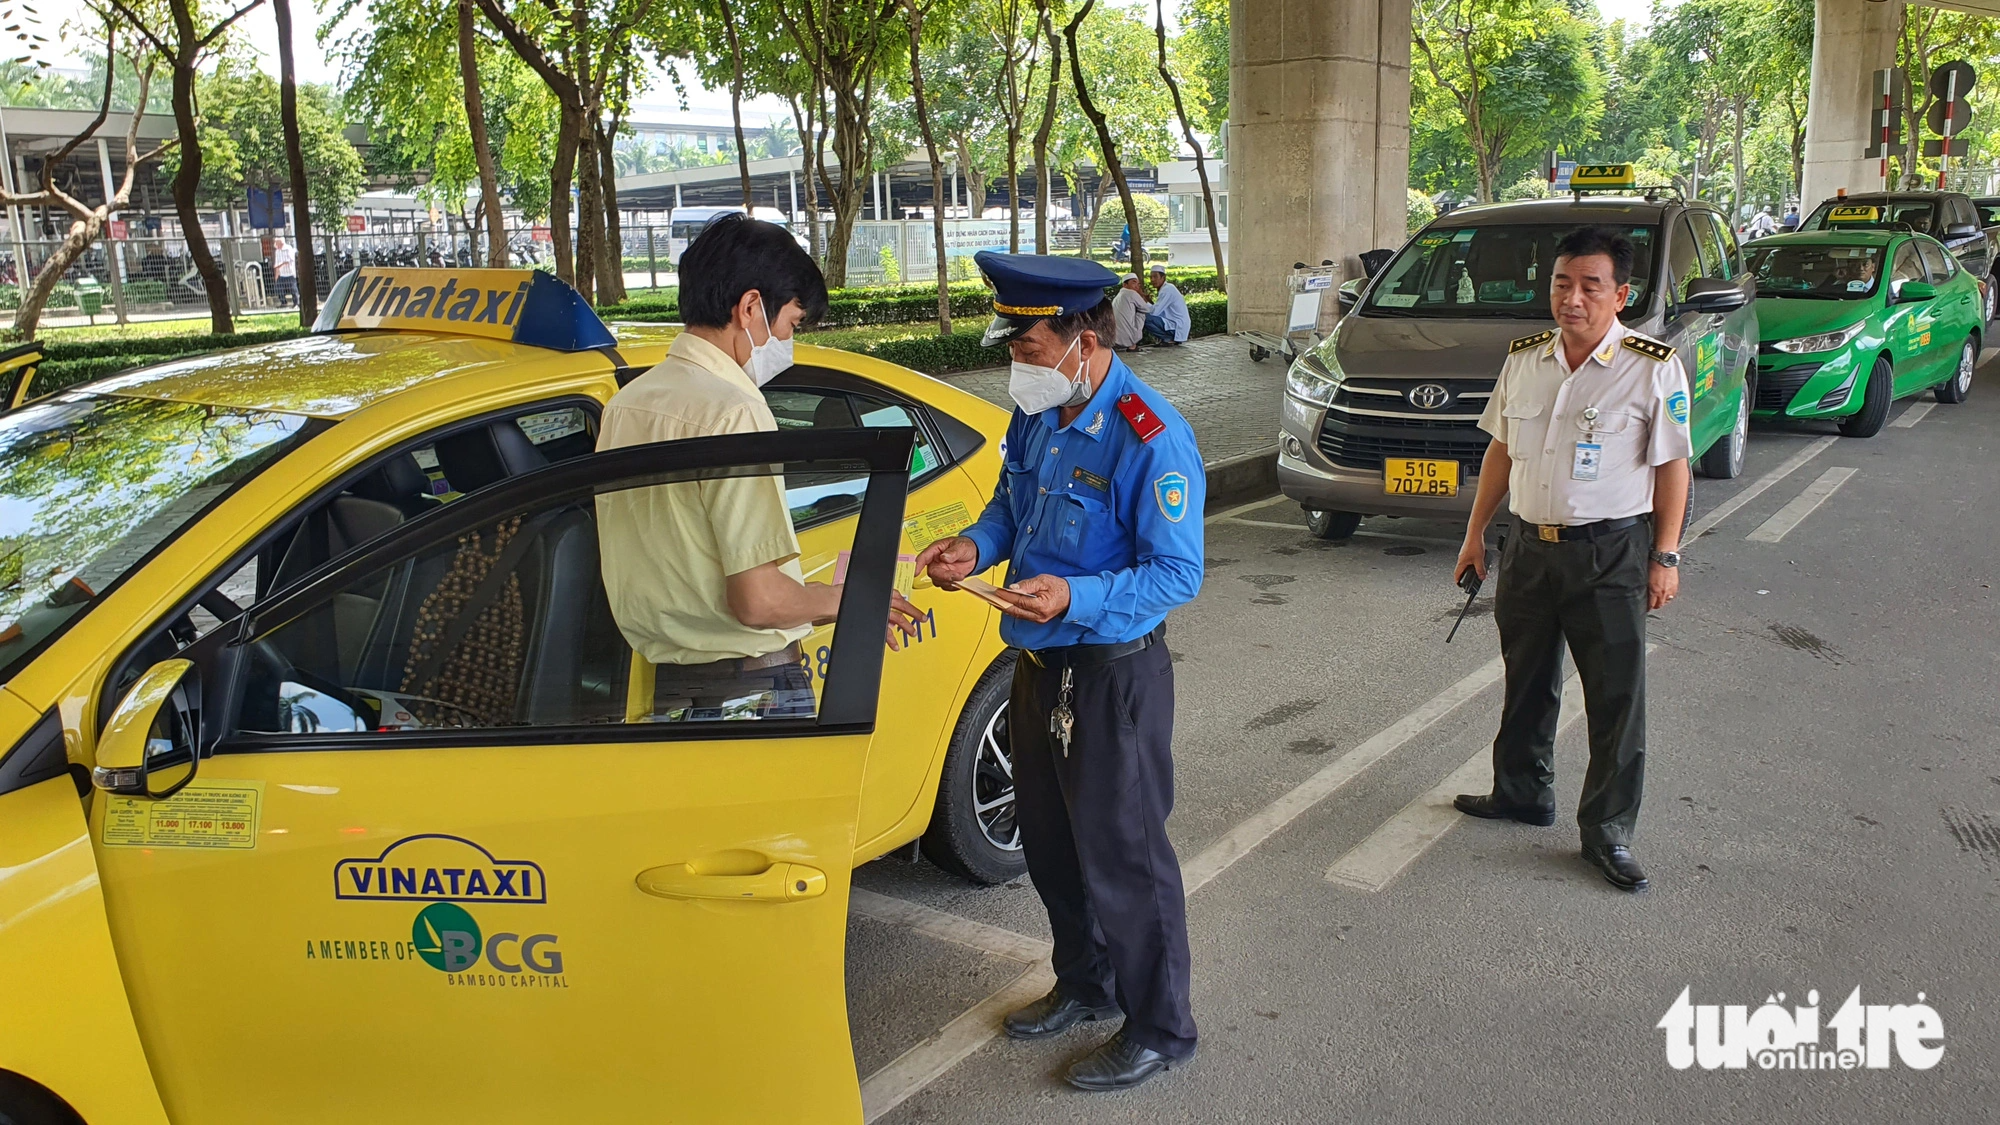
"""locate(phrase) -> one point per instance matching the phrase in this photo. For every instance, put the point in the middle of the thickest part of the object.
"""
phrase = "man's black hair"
(1099, 319)
(1609, 241)
(734, 254)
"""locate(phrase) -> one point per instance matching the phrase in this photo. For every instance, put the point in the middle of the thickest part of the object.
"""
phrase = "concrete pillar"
(1319, 143)
(1852, 39)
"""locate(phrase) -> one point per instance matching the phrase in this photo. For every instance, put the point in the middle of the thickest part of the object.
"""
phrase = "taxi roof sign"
(1601, 177)
(520, 306)
(1854, 213)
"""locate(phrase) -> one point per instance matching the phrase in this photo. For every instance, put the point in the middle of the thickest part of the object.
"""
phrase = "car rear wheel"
(1875, 398)
(1724, 459)
(974, 832)
(1331, 525)
(1992, 288)
(1954, 389)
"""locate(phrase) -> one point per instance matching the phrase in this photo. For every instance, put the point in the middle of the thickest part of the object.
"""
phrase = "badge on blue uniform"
(1677, 407)
(1171, 493)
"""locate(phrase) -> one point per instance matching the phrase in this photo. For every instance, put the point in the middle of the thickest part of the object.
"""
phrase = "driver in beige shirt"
(703, 577)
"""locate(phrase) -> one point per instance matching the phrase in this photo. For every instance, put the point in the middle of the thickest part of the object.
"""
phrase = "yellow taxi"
(331, 790)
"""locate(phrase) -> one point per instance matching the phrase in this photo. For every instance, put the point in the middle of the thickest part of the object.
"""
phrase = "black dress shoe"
(1119, 1064)
(1488, 807)
(1618, 866)
(1052, 1015)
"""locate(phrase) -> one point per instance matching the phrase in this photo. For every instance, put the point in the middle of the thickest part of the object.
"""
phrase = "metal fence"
(154, 276)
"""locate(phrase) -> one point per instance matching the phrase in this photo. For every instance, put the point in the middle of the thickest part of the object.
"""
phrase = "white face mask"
(1035, 388)
(770, 357)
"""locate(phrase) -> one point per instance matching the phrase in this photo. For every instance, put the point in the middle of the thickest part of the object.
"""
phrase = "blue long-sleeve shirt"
(1118, 517)
(1172, 310)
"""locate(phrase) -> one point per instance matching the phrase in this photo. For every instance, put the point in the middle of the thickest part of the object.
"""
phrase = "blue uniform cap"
(1028, 288)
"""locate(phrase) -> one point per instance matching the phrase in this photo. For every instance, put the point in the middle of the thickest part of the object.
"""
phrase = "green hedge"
(1208, 315)
(188, 344)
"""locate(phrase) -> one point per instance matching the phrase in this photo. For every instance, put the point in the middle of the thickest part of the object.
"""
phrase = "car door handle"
(781, 882)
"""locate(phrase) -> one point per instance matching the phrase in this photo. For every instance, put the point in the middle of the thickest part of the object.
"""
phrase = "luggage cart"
(1307, 285)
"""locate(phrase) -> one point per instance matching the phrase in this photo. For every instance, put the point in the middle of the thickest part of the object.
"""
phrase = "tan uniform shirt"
(1584, 443)
(665, 551)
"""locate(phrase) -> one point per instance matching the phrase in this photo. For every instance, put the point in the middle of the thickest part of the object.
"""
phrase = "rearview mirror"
(1915, 291)
(148, 747)
(1712, 295)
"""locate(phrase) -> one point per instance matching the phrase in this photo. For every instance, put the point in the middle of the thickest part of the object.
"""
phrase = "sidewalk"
(1231, 401)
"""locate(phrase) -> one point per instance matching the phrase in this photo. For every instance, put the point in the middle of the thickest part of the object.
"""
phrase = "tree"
(1194, 142)
(475, 121)
(185, 35)
(1105, 144)
(1204, 40)
(1114, 45)
(242, 127)
(1713, 62)
(86, 222)
(915, 14)
(1051, 92)
(1929, 38)
(295, 166)
(847, 46)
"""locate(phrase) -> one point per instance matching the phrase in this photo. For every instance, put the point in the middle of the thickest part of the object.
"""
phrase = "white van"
(685, 223)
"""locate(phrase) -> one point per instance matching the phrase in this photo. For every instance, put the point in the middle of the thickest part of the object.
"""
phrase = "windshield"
(90, 486)
(1879, 215)
(1816, 271)
(1498, 271)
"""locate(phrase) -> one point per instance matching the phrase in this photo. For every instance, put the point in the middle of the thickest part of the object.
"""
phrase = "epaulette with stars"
(1651, 349)
(1526, 342)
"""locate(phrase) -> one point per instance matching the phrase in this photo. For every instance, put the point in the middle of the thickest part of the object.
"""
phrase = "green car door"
(1716, 348)
(1936, 329)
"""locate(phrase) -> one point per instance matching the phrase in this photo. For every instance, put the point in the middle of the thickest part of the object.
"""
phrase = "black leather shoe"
(1052, 1015)
(1618, 866)
(1488, 807)
(1119, 1064)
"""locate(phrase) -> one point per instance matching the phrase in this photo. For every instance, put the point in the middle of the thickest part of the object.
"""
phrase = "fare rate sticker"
(206, 814)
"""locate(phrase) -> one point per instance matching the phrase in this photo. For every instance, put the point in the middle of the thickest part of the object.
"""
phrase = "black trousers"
(1590, 593)
(1094, 827)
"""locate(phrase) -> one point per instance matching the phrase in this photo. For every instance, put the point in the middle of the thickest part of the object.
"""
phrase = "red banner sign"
(357, 223)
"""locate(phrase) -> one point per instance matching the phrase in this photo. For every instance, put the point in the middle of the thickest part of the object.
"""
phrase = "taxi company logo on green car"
(437, 867)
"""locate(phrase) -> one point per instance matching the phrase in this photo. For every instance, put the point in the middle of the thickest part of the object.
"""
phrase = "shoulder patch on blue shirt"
(1677, 407)
(1171, 493)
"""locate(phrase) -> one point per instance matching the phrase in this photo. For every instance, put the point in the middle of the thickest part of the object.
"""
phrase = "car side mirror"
(148, 747)
(1915, 291)
(1960, 230)
(1712, 295)
(1349, 294)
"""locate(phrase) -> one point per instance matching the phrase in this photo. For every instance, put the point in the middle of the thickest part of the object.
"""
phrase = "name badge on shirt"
(1583, 466)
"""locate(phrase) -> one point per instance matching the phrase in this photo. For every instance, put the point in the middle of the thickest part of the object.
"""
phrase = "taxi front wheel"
(1332, 525)
(974, 833)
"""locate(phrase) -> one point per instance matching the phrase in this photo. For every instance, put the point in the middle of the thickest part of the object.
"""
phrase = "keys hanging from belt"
(1060, 717)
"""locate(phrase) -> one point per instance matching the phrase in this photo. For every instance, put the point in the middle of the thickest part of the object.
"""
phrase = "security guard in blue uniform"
(1099, 512)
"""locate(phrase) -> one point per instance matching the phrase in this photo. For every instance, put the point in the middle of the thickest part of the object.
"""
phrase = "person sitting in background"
(1129, 306)
(1168, 322)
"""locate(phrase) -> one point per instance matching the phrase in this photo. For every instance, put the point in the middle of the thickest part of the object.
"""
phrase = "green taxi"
(1853, 319)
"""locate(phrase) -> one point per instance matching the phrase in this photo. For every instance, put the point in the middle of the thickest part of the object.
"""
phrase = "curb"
(1239, 480)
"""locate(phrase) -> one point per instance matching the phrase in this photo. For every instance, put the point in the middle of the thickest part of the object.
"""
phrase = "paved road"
(1823, 812)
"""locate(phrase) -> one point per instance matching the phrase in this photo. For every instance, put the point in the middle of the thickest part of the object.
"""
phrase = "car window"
(816, 498)
(1906, 266)
(1913, 213)
(92, 485)
(509, 623)
(1732, 254)
(1989, 213)
(1683, 263)
(1961, 211)
(1938, 264)
(1491, 271)
(1714, 262)
(1814, 270)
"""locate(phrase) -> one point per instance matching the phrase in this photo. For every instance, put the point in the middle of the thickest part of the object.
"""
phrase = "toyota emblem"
(1428, 396)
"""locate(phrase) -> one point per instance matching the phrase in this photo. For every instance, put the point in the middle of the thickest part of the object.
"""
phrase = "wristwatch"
(1665, 558)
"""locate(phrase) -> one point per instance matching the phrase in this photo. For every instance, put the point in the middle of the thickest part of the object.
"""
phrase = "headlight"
(1824, 342)
(1313, 379)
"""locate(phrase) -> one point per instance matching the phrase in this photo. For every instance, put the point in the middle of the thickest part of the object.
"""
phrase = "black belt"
(1084, 656)
(1554, 533)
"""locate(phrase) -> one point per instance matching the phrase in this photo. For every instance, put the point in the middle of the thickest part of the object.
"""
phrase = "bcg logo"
(448, 939)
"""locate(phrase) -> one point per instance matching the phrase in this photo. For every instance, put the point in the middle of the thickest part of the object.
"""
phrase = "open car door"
(414, 841)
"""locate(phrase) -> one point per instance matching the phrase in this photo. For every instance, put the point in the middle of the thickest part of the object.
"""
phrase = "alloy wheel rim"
(1742, 435)
(993, 786)
(1964, 368)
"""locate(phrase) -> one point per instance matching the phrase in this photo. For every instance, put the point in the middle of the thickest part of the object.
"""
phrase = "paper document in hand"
(983, 590)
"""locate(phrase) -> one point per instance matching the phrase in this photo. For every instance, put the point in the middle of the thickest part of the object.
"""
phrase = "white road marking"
(1247, 522)
(1728, 507)
(1267, 523)
(949, 927)
(1232, 513)
(1242, 839)
(1913, 415)
(1802, 505)
(1375, 862)
(928, 1061)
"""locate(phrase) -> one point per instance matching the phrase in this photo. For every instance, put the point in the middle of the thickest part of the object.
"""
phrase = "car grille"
(1354, 443)
(1776, 389)
(1466, 397)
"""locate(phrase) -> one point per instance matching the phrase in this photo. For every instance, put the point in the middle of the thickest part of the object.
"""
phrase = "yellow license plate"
(1405, 476)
